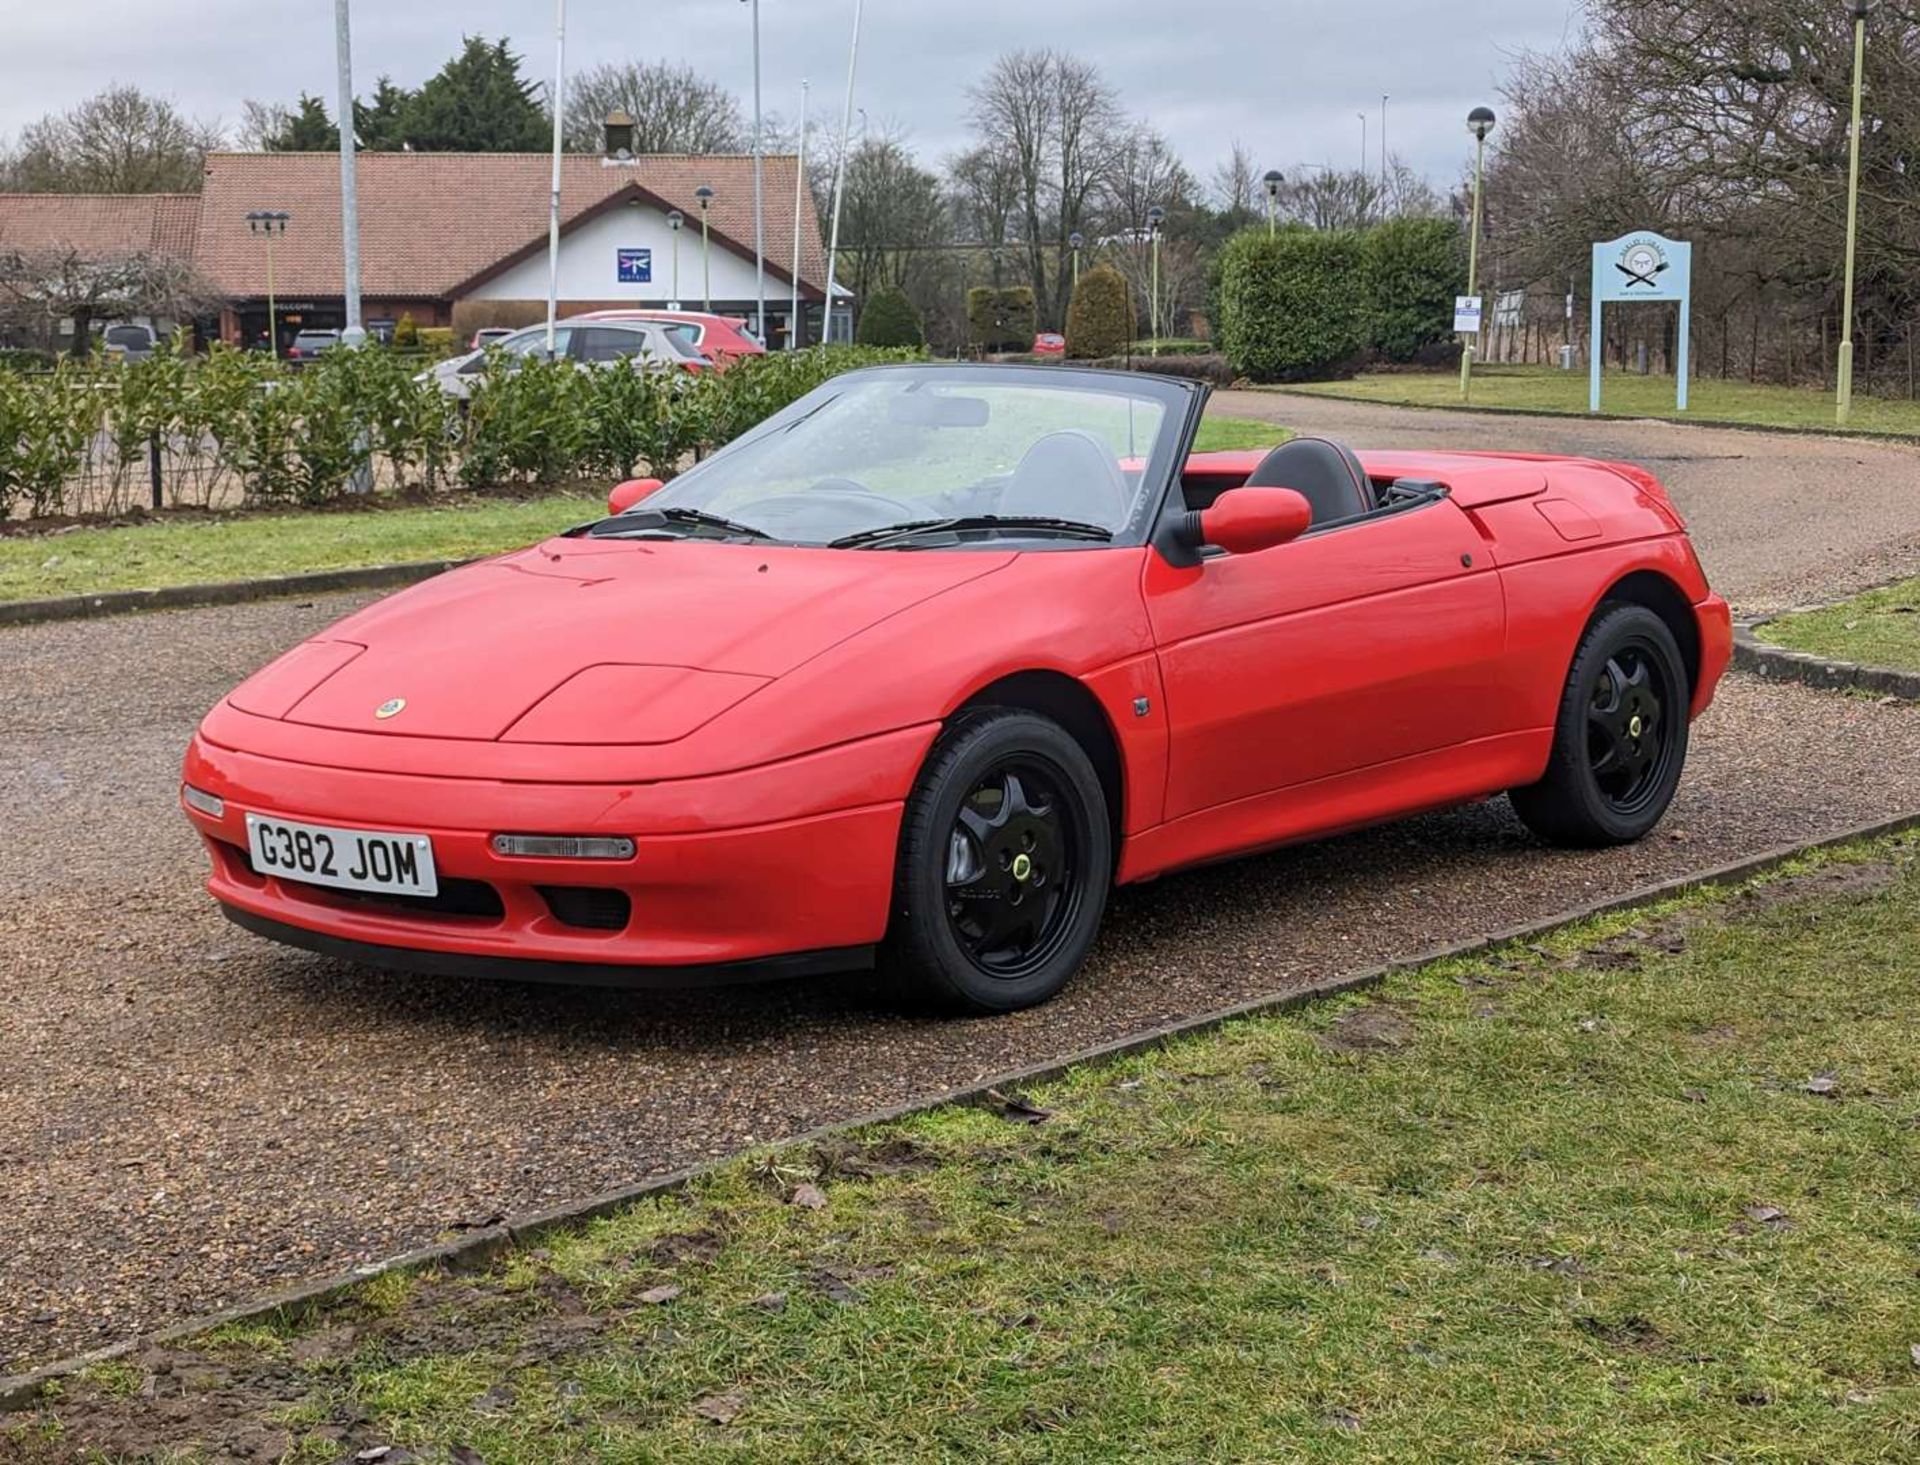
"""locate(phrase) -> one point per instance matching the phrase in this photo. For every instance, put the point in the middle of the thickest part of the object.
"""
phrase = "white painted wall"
(589, 264)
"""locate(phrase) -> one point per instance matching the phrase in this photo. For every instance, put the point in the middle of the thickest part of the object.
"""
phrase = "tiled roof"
(433, 222)
(96, 223)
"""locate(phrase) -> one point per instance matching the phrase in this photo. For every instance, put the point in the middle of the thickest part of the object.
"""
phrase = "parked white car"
(648, 345)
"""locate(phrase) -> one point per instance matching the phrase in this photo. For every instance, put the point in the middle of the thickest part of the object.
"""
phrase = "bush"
(25, 358)
(1100, 316)
(890, 320)
(240, 425)
(1292, 305)
(1413, 270)
(436, 341)
(1212, 367)
(1001, 320)
(406, 331)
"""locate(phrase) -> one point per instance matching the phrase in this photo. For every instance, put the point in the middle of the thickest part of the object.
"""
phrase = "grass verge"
(1646, 1190)
(1542, 389)
(252, 546)
(1879, 628)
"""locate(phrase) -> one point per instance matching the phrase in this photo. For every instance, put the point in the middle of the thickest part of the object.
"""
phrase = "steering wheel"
(833, 494)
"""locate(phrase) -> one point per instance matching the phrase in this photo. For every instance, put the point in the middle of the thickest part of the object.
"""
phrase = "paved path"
(189, 1116)
(1781, 520)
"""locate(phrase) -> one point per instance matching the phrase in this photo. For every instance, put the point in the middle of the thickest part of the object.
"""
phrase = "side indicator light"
(199, 800)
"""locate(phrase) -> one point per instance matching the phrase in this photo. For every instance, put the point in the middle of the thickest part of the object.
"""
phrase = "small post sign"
(636, 266)
(1466, 315)
(1638, 269)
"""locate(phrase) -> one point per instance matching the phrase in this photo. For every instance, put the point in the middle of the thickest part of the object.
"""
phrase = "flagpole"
(799, 192)
(759, 192)
(840, 173)
(553, 210)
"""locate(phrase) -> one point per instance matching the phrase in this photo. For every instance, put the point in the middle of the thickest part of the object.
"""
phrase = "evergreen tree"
(477, 103)
(307, 129)
(381, 125)
(890, 320)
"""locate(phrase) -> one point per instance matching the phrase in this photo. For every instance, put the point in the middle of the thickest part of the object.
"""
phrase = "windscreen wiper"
(651, 521)
(1011, 523)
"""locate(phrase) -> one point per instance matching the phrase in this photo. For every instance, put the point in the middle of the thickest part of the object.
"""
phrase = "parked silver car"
(648, 345)
(123, 342)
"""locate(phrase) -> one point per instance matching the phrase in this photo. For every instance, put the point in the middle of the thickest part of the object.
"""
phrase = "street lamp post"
(1156, 216)
(674, 220)
(1273, 180)
(1076, 241)
(1860, 10)
(799, 188)
(705, 195)
(1480, 122)
(759, 196)
(268, 223)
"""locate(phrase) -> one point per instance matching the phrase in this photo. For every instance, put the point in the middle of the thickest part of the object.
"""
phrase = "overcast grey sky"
(1288, 77)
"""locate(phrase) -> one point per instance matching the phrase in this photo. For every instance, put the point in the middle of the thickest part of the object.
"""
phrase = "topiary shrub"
(1293, 305)
(1414, 268)
(889, 320)
(1100, 316)
(1001, 320)
(406, 331)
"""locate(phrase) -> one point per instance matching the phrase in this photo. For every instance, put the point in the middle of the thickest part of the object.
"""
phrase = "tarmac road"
(190, 1116)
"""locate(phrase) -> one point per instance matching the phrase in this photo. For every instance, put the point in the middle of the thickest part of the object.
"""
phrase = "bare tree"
(674, 109)
(1322, 198)
(1236, 182)
(41, 287)
(1056, 122)
(1142, 172)
(120, 141)
(893, 218)
(985, 199)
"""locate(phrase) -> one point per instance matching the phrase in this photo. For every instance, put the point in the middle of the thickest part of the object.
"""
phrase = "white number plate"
(347, 859)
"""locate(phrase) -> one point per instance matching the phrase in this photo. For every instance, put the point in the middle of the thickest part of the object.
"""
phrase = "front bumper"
(767, 877)
(1715, 619)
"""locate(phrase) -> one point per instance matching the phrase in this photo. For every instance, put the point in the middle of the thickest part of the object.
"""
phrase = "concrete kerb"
(221, 592)
(1778, 663)
(478, 1247)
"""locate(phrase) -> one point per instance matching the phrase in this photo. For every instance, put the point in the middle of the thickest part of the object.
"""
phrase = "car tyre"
(1005, 863)
(1620, 737)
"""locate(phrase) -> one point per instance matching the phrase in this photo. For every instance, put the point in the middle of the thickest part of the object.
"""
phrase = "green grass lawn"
(1542, 389)
(1879, 628)
(1646, 1190)
(198, 550)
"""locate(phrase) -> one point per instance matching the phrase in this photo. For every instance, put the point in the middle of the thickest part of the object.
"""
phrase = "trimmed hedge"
(1001, 320)
(1414, 269)
(890, 320)
(1293, 305)
(240, 427)
(1100, 316)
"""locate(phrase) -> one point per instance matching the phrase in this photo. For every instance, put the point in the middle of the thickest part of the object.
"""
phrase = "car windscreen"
(128, 336)
(997, 451)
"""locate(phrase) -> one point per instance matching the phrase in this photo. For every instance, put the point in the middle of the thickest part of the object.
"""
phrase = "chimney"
(619, 135)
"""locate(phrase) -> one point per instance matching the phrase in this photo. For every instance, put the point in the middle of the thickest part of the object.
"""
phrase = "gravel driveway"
(189, 1116)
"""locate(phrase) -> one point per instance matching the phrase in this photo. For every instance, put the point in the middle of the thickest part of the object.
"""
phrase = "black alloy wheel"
(1011, 887)
(1620, 741)
(1627, 745)
(1005, 863)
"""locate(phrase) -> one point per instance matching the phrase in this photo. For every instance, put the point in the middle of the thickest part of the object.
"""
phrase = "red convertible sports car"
(924, 665)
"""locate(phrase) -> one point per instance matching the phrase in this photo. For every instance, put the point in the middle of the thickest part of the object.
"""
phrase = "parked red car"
(1049, 343)
(922, 666)
(719, 338)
